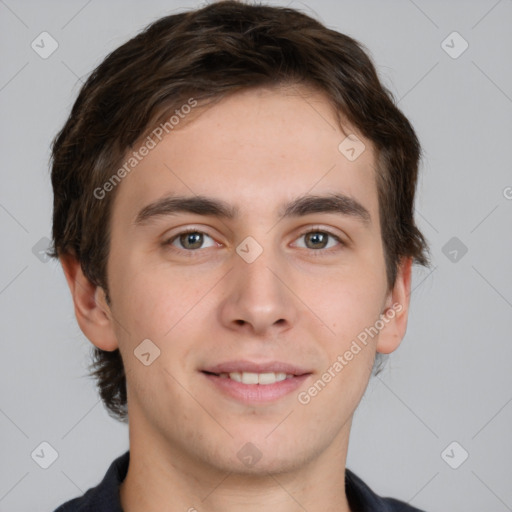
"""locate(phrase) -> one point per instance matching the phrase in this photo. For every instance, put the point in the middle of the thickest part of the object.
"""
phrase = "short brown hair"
(210, 53)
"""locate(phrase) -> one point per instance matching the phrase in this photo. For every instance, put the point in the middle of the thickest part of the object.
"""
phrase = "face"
(249, 281)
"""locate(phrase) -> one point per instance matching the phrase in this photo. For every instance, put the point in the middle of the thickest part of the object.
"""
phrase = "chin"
(260, 454)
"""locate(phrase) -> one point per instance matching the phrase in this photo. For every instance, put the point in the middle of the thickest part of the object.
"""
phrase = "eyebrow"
(208, 206)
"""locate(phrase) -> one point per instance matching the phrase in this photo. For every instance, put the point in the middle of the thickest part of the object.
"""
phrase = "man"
(233, 211)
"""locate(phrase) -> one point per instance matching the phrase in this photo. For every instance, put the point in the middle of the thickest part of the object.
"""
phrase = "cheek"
(351, 309)
(151, 304)
(347, 302)
(150, 308)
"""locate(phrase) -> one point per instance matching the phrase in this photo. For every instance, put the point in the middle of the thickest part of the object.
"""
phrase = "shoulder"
(105, 496)
(362, 499)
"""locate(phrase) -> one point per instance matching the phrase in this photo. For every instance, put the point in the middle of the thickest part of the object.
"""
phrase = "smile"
(256, 378)
(249, 382)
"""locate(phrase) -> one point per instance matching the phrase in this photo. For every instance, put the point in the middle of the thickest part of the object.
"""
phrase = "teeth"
(256, 378)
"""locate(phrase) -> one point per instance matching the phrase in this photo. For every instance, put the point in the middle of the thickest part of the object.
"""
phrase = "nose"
(259, 299)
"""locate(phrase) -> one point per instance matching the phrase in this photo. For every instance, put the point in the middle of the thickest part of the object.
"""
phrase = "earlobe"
(91, 309)
(396, 311)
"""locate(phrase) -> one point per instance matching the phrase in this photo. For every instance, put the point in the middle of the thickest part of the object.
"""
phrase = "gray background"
(451, 378)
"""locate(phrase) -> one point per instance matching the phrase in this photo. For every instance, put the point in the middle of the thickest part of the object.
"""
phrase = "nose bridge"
(258, 275)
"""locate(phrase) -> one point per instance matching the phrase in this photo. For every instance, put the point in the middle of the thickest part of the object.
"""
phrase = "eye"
(319, 239)
(190, 240)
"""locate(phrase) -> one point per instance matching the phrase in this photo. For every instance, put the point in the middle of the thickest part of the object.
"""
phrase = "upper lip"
(252, 367)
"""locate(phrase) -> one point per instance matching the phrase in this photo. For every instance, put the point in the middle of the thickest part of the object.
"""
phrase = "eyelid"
(319, 227)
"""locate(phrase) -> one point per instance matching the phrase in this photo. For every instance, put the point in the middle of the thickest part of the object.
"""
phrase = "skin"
(256, 150)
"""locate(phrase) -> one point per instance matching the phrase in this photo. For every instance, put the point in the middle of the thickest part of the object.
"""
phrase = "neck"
(161, 477)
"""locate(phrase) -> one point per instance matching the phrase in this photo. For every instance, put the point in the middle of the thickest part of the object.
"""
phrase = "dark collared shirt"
(105, 496)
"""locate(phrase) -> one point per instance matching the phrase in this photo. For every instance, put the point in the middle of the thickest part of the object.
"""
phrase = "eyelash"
(316, 252)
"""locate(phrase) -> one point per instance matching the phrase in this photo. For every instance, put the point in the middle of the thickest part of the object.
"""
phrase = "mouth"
(263, 379)
(250, 382)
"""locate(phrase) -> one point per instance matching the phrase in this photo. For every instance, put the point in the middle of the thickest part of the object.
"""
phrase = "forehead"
(256, 150)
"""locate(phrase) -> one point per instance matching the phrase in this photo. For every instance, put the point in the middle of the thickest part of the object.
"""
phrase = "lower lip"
(256, 393)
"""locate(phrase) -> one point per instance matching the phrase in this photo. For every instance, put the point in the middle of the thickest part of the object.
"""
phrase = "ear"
(91, 309)
(396, 310)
